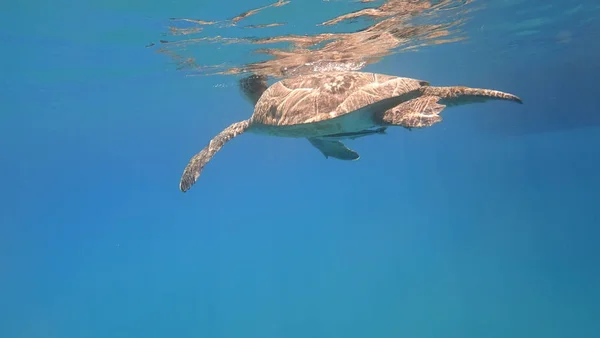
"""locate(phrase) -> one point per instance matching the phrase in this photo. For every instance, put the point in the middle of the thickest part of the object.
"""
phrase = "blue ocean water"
(485, 225)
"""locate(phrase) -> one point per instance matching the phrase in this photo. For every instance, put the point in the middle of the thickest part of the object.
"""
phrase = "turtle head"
(253, 87)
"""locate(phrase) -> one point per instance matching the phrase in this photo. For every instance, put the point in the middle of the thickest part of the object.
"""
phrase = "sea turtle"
(319, 105)
(255, 85)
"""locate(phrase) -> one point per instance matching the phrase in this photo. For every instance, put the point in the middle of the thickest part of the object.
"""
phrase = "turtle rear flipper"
(335, 149)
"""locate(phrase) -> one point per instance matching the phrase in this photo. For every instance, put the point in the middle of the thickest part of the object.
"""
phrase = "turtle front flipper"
(335, 149)
(416, 113)
(197, 162)
(425, 110)
(459, 95)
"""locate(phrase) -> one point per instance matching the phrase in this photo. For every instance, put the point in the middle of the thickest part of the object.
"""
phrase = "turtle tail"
(197, 162)
(459, 95)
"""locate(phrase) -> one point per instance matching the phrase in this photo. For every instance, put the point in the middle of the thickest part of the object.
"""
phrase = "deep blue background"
(485, 225)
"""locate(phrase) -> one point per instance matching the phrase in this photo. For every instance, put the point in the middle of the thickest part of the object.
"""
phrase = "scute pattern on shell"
(318, 97)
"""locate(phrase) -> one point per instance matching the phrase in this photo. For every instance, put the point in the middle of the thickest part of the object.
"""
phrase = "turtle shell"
(322, 96)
